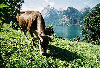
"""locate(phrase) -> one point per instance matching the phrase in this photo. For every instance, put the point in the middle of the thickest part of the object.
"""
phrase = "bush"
(77, 38)
(8, 12)
(91, 30)
(49, 30)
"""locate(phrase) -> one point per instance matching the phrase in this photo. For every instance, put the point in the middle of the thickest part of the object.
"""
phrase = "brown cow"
(33, 22)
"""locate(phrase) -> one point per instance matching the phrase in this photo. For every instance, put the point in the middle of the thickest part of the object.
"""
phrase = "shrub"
(91, 30)
(49, 30)
(8, 12)
(77, 38)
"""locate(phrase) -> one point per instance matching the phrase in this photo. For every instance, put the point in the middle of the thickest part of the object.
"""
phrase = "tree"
(8, 11)
(91, 30)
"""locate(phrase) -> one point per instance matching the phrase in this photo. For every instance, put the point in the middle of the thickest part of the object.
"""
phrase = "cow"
(33, 22)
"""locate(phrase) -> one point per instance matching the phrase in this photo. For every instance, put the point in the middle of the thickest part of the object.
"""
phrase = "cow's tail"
(40, 24)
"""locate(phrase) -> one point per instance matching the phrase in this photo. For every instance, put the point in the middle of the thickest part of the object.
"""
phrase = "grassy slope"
(16, 51)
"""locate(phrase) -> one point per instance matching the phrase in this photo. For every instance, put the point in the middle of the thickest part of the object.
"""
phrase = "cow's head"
(44, 41)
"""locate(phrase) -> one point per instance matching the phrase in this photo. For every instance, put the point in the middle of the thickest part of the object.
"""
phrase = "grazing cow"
(33, 22)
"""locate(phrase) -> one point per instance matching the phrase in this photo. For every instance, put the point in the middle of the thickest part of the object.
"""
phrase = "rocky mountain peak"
(85, 9)
(64, 15)
(48, 6)
(48, 10)
(63, 8)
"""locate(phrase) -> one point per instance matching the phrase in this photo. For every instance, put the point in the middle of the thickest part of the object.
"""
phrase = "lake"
(68, 32)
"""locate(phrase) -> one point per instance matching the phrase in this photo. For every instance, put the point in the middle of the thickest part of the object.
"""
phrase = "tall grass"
(17, 52)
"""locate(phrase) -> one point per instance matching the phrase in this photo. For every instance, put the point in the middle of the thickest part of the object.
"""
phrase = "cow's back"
(33, 20)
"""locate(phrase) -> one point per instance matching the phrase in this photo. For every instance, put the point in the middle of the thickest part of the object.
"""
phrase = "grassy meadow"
(17, 52)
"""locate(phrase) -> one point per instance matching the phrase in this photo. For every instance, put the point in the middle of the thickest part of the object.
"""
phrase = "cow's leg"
(24, 32)
(41, 49)
(32, 37)
(42, 46)
(30, 29)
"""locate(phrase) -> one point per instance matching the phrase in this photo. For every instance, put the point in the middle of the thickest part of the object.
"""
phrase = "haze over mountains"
(63, 16)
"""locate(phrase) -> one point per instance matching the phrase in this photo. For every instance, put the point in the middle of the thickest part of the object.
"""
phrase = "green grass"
(17, 52)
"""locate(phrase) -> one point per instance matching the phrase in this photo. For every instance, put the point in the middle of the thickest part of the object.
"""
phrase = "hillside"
(84, 12)
(16, 51)
(98, 5)
(73, 15)
(85, 9)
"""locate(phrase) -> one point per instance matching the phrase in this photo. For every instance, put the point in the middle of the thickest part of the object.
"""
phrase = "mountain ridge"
(63, 16)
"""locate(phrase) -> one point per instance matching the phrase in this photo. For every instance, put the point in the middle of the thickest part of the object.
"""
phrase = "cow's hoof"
(44, 54)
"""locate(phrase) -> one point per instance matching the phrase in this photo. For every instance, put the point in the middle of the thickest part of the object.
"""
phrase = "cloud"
(51, 4)
(46, 1)
(24, 8)
(86, 2)
(36, 7)
(39, 8)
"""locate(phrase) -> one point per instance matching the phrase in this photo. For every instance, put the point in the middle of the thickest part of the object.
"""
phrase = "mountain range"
(64, 16)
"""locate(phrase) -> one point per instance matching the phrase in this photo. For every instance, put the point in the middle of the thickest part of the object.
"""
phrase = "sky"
(38, 5)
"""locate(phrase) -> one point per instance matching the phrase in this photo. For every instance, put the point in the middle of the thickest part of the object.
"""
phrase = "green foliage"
(17, 52)
(3, 5)
(8, 12)
(81, 18)
(1, 13)
(91, 30)
(49, 30)
(77, 38)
